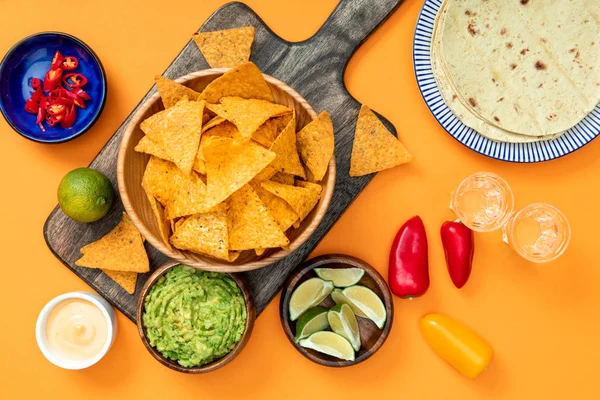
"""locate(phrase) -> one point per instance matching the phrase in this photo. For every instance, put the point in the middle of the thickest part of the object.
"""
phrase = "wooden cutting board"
(315, 68)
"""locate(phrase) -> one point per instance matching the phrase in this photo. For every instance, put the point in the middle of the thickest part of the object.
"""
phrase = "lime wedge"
(339, 298)
(368, 302)
(341, 277)
(307, 295)
(329, 343)
(313, 320)
(343, 322)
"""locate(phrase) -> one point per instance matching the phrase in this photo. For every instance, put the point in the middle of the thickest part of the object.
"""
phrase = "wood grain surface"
(314, 68)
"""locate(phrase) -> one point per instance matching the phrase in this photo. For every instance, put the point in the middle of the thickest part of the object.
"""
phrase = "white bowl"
(42, 340)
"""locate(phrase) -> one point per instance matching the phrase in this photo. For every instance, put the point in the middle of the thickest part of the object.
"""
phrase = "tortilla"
(171, 92)
(302, 200)
(190, 197)
(121, 249)
(250, 224)
(530, 68)
(245, 81)
(247, 114)
(161, 178)
(231, 164)
(226, 130)
(205, 234)
(146, 145)
(216, 120)
(316, 145)
(227, 48)
(177, 131)
(126, 280)
(287, 159)
(374, 148)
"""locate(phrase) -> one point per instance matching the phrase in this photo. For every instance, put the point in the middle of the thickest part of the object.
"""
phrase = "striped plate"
(574, 139)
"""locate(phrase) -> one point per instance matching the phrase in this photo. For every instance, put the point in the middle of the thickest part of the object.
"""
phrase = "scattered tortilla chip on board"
(227, 48)
(121, 249)
(247, 114)
(126, 280)
(316, 145)
(205, 234)
(177, 130)
(302, 200)
(375, 148)
(287, 159)
(245, 81)
(171, 92)
(231, 164)
(251, 226)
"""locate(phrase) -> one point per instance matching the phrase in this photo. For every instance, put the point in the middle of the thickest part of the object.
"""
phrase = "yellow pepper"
(457, 344)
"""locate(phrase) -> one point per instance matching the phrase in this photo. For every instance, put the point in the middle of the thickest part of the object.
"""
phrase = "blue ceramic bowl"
(31, 58)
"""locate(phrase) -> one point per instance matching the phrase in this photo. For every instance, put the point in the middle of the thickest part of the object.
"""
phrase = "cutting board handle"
(351, 22)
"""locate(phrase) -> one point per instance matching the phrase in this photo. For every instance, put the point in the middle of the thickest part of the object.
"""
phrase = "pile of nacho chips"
(228, 171)
(120, 254)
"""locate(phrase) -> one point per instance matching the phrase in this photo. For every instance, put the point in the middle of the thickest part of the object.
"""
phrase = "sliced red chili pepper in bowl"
(57, 60)
(56, 109)
(52, 79)
(32, 106)
(54, 119)
(36, 83)
(74, 80)
(70, 63)
(81, 93)
(69, 119)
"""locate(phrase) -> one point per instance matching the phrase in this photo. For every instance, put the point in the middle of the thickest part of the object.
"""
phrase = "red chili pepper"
(74, 80)
(56, 109)
(408, 272)
(54, 119)
(81, 93)
(32, 106)
(36, 83)
(41, 114)
(69, 119)
(70, 63)
(37, 95)
(459, 247)
(57, 60)
(52, 79)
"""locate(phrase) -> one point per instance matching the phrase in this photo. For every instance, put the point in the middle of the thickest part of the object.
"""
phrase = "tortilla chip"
(310, 185)
(302, 200)
(259, 252)
(284, 215)
(121, 249)
(266, 133)
(177, 130)
(161, 178)
(286, 179)
(226, 130)
(287, 159)
(146, 145)
(231, 164)
(190, 197)
(214, 121)
(265, 174)
(227, 48)
(374, 148)
(161, 220)
(245, 81)
(171, 92)
(126, 280)
(316, 145)
(199, 164)
(204, 234)
(250, 224)
(247, 114)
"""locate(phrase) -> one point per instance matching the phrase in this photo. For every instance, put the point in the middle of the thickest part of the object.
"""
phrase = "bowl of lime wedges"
(336, 310)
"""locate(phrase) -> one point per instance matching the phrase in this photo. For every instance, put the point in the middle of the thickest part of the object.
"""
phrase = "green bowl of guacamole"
(194, 321)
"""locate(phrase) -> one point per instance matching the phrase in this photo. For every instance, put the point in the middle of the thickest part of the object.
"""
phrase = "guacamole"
(193, 316)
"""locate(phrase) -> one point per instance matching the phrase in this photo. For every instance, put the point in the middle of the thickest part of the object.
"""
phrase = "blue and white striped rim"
(574, 139)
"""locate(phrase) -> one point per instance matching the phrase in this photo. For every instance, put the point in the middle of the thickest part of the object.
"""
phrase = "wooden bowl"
(250, 318)
(131, 166)
(371, 337)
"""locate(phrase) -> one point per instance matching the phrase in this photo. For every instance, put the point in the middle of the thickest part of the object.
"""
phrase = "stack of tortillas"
(518, 70)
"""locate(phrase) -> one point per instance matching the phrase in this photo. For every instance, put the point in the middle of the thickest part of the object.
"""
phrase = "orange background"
(543, 321)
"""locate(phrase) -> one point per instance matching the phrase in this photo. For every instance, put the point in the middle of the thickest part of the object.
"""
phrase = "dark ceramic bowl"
(31, 58)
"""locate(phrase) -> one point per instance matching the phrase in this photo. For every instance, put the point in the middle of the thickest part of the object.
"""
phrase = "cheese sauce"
(76, 330)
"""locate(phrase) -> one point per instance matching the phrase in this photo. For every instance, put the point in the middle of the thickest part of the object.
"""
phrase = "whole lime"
(85, 195)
